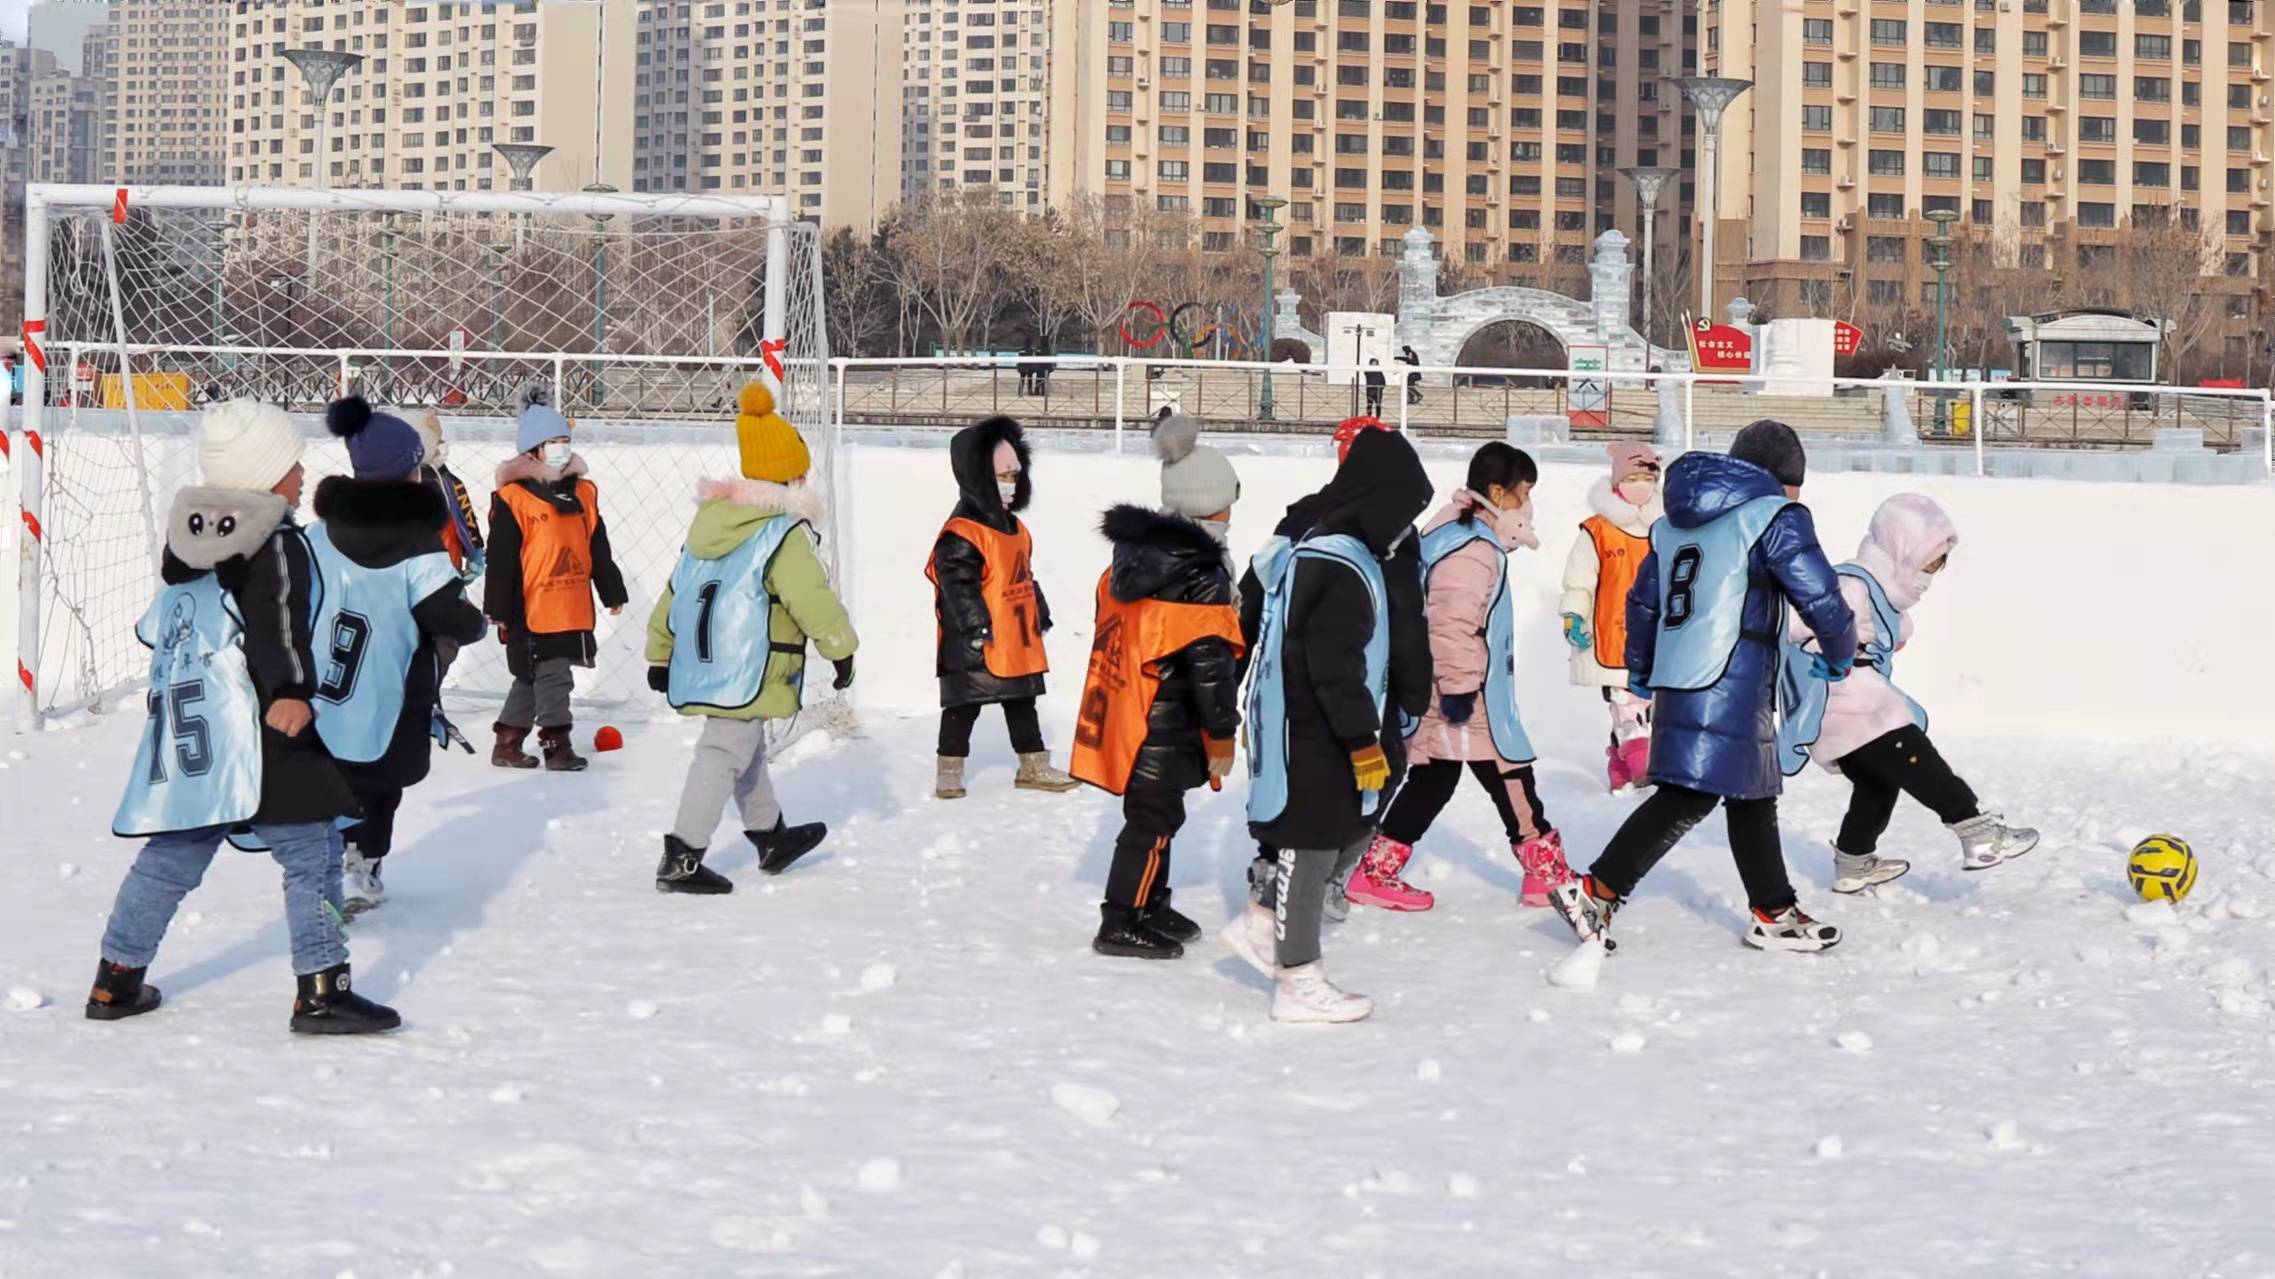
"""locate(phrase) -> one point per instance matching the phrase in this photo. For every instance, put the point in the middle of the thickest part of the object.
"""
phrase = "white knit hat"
(1196, 480)
(248, 445)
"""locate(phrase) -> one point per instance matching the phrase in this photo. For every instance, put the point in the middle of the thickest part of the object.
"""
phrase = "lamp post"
(600, 223)
(322, 69)
(1649, 181)
(498, 250)
(1709, 95)
(1271, 205)
(521, 158)
(1939, 245)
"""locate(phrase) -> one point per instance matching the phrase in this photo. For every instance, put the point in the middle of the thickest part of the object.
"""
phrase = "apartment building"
(1499, 127)
(2049, 125)
(440, 84)
(772, 97)
(62, 26)
(165, 96)
(994, 95)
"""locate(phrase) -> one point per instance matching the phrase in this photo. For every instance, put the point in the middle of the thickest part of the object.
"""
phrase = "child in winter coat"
(1473, 723)
(1866, 729)
(727, 642)
(1160, 704)
(1702, 643)
(990, 608)
(549, 554)
(1410, 688)
(231, 742)
(390, 598)
(1597, 574)
(1319, 710)
(462, 532)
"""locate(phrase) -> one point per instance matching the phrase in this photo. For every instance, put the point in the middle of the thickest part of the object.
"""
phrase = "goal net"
(643, 315)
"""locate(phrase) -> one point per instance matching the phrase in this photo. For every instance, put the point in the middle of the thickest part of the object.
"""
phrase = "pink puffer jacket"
(1461, 588)
(1908, 532)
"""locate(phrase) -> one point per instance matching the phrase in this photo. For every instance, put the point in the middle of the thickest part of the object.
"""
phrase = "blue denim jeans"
(169, 866)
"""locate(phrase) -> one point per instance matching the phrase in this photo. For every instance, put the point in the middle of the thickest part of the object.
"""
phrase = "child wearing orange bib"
(991, 612)
(1597, 574)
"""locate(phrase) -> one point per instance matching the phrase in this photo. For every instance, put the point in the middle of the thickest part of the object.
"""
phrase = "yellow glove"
(1370, 768)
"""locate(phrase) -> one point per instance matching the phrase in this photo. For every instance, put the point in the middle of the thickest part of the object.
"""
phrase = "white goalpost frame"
(25, 469)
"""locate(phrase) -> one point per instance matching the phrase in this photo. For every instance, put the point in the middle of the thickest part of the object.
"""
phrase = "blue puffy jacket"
(1722, 739)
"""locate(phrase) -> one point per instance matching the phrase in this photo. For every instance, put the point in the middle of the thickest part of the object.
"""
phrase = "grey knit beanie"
(1196, 480)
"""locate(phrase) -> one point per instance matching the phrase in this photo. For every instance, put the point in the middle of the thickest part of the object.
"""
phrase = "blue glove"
(1458, 707)
(1831, 672)
(445, 732)
(1637, 687)
(1576, 631)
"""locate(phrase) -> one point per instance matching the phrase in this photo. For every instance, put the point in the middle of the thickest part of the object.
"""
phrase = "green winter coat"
(805, 608)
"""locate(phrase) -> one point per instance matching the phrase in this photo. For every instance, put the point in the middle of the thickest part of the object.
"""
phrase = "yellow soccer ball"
(2162, 868)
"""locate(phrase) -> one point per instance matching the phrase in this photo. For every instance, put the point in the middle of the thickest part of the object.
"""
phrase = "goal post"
(641, 314)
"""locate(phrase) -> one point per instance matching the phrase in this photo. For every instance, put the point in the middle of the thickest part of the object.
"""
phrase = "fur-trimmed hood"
(1158, 555)
(1636, 521)
(207, 526)
(971, 455)
(731, 511)
(381, 522)
(522, 467)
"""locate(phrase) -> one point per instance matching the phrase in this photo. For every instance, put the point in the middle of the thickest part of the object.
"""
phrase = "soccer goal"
(641, 314)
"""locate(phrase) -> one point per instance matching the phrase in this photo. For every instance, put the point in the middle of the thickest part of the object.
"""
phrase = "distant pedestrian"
(1407, 355)
(1375, 383)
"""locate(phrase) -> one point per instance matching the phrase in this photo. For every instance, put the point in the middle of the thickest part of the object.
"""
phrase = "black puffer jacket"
(379, 523)
(1374, 497)
(956, 601)
(1172, 559)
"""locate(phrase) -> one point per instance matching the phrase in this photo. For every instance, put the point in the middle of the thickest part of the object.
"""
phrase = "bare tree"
(950, 249)
(1337, 281)
(2159, 273)
(860, 311)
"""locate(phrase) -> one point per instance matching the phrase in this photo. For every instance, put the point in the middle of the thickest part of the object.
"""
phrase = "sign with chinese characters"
(1847, 338)
(1587, 399)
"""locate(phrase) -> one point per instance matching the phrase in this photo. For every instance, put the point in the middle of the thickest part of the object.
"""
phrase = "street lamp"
(1271, 205)
(1709, 95)
(1649, 181)
(600, 223)
(521, 158)
(1939, 247)
(322, 69)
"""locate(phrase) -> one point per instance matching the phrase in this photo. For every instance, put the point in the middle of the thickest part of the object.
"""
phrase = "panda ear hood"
(208, 526)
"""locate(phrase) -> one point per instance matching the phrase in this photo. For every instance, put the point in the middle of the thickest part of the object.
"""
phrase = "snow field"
(901, 1058)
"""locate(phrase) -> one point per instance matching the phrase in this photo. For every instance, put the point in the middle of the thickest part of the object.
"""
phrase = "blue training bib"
(1500, 692)
(721, 621)
(1268, 687)
(365, 641)
(1703, 576)
(199, 761)
(1802, 694)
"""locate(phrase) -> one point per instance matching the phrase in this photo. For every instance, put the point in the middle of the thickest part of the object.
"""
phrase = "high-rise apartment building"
(165, 97)
(62, 26)
(48, 125)
(992, 96)
(2050, 125)
(440, 84)
(772, 97)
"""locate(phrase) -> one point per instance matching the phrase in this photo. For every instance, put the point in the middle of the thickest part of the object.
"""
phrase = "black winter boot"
(785, 844)
(1165, 919)
(1121, 932)
(119, 993)
(328, 1005)
(682, 871)
(560, 756)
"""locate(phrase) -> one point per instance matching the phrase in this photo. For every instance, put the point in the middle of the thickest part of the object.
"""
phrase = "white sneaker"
(1986, 841)
(1855, 872)
(360, 889)
(1790, 930)
(1253, 936)
(1304, 995)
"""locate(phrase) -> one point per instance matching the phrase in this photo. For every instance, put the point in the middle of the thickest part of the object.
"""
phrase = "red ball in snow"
(608, 739)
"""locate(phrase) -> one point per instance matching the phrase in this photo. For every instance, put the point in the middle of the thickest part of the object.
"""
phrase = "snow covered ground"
(901, 1059)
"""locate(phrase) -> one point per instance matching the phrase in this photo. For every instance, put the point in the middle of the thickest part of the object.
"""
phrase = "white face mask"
(556, 453)
(1221, 530)
(1008, 490)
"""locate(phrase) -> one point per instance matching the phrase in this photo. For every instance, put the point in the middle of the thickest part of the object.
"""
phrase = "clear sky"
(12, 18)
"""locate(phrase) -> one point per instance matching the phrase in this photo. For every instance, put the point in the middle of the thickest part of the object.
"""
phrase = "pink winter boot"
(1615, 767)
(1376, 882)
(1543, 859)
(1637, 756)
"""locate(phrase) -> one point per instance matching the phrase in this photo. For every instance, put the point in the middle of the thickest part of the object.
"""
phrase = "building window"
(1816, 204)
(1940, 122)
(1887, 119)
(1816, 248)
(2097, 44)
(2033, 173)
(1982, 168)
(2100, 88)
(2034, 86)
(2159, 48)
(2097, 128)
(1818, 160)
(1817, 119)
(2097, 173)
(1889, 31)
(1817, 75)
(2148, 174)
(1940, 164)
(1885, 206)
(1939, 35)
(2148, 88)
(1887, 75)
(2033, 128)
(1817, 30)
(1887, 163)
(2033, 44)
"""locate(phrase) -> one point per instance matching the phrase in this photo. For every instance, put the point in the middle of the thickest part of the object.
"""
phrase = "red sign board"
(1720, 348)
(1847, 338)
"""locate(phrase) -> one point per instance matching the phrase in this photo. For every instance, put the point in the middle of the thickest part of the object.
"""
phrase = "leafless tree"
(950, 249)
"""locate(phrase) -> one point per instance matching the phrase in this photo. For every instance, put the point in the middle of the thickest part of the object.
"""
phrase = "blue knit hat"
(540, 421)
(381, 446)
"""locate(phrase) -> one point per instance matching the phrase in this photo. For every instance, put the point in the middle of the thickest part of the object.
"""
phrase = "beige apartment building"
(165, 99)
(441, 83)
(993, 95)
(772, 97)
(2045, 124)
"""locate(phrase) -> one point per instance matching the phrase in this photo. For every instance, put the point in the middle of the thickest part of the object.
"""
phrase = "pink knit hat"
(1630, 458)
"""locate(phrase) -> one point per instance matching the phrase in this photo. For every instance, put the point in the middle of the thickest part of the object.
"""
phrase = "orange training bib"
(1118, 693)
(1007, 586)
